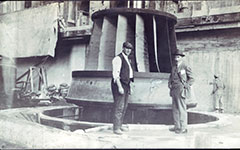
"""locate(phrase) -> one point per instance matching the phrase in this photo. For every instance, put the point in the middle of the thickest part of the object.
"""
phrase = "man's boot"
(173, 129)
(181, 131)
(221, 111)
(124, 129)
(118, 131)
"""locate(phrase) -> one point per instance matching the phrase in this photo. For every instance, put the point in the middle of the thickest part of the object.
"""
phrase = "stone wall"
(210, 52)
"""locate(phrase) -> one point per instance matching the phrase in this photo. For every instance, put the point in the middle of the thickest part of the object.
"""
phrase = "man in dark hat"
(180, 80)
(218, 88)
(122, 76)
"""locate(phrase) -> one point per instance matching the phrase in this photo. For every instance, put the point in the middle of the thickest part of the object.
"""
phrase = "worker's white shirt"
(117, 64)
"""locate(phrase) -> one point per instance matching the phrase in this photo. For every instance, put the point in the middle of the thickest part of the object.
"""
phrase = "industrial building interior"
(56, 65)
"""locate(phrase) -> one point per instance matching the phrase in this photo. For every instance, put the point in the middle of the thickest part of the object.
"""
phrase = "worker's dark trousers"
(120, 104)
(179, 110)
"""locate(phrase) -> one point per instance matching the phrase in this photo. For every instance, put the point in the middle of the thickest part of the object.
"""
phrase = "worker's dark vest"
(124, 72)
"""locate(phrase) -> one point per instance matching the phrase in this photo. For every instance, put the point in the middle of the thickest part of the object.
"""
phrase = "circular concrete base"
(35, 128)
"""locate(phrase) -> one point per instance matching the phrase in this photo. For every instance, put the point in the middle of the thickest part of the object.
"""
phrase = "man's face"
(178, 59)
(127, 51)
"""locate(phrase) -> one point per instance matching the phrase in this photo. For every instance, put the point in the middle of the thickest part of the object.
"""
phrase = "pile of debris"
(46, 96)
(55, 93)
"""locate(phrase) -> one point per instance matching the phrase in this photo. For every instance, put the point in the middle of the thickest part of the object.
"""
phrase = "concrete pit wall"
(210, 52)
(21, 127)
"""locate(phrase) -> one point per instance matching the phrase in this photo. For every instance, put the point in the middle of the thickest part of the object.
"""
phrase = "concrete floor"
(224, 133)
(8, 145)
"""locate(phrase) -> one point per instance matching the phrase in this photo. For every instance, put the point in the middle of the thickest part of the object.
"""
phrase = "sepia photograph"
(117, 74)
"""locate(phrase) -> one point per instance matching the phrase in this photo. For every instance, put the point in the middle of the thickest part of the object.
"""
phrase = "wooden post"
(31, 78)
(27, 80)
(40, 80)
(44, 77)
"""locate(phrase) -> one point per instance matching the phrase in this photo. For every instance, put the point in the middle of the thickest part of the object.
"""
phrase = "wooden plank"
(44, 74)
(155, 43)
(31, 79)
(78, 28)
(27, 81)
(40, 79)
(82, 31)
(121, 34)
(107, 44)
(27, 72)
(142, 57)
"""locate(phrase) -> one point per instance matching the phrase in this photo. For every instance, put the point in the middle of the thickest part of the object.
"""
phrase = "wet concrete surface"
(223, 134)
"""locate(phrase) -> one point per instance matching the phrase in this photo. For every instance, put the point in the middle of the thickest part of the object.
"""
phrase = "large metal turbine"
(153, 36)
(150, 31)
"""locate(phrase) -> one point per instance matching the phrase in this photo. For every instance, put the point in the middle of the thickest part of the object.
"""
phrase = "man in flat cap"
(122, 75)
(218, 88)
(180, 80)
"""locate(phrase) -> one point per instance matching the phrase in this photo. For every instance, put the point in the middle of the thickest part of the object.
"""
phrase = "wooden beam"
(39, 63)
(31, 79)
(78, 28)
(80, 31)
